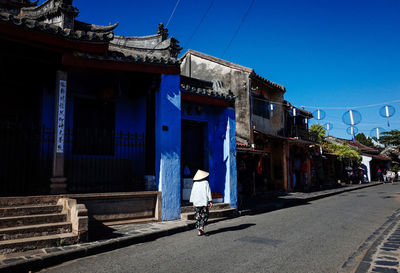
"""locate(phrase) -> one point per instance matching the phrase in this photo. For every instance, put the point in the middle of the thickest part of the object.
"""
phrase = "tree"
(343, 151)
(391, 138)
(317, 133)
(364, 140)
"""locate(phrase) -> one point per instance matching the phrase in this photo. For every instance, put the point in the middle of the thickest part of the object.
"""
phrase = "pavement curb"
(361, 260)
(367, 259)
(87, 249)
(61, 255)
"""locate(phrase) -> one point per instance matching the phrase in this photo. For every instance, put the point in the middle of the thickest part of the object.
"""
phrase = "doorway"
(194, 147)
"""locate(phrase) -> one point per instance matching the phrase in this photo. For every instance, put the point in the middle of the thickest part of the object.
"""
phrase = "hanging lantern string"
(352, 107)
(282, 104)
(329, 108)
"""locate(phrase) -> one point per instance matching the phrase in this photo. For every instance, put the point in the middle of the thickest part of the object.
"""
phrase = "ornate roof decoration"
(162, 31)
(62, 14)
(153, 45)
(78, 25)
(51, 9)
(204, 88)
(57, 17)
(14, 6)
(55, 30)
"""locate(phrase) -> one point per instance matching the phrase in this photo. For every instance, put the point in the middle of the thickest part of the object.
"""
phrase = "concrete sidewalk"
(113, 237)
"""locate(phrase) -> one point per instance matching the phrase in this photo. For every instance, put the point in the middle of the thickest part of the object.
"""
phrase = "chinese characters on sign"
(62, 94)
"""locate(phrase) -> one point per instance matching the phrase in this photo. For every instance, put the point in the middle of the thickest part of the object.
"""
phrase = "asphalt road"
(316, 237)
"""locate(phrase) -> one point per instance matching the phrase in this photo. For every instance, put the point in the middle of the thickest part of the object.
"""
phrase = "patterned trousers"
(201, 216)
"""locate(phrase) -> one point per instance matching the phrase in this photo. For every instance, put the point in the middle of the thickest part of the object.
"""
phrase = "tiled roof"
(250, 150)
(8, 18)
(381, 157)
(204, 88)
(158, 45)
(268, 82)
(390, 151)
(207, 92)
(234, 66)
(361, 147)
(78, 25)
(241, 144)
(118, 56)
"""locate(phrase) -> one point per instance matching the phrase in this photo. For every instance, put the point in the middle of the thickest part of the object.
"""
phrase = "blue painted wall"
(48, 108)
(130, 113)
(168, 144)
(221, 147)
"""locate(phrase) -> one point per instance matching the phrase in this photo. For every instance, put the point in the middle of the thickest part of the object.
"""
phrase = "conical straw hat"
(200, 175)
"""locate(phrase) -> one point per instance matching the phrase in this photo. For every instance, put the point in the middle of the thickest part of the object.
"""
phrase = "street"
(316, 237)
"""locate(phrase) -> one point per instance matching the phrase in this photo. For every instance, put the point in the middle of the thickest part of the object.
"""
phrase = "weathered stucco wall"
(277, 120)
(275, 123)
(264, 94)
(233, 79)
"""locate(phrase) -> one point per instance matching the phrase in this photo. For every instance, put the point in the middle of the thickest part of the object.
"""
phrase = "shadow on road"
(234, 228)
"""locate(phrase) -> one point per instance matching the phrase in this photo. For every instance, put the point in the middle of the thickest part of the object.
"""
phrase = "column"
(168, 146)
(230, 193)
(285, 162)
(58, 180)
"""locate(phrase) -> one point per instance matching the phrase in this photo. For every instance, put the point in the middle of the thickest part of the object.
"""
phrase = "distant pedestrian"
(384, 175)
(379, 173)
(391, 176)
(201, 199)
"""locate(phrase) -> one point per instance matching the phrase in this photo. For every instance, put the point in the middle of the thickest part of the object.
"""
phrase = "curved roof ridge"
(79, 25)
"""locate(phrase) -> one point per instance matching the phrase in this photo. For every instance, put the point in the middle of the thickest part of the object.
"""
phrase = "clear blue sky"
(327, 53)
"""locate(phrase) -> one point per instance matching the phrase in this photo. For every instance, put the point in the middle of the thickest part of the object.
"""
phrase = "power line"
(170, 17)
(237, 30)
(172, 14)
(199, 24)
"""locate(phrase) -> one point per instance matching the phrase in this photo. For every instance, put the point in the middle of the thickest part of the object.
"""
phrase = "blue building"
(84, 110)
(208, 137)
(102, 113)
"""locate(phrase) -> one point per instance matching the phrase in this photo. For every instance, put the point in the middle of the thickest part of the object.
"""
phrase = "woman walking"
(201, 199)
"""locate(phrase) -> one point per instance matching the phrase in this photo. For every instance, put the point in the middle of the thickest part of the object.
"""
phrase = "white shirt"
(201, 193)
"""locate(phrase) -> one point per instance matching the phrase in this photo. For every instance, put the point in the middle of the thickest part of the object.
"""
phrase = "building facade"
(84, 111)
(261, 145)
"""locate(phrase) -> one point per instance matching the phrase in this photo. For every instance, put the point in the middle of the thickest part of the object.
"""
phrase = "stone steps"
(32, 222)
(29, 210)
(221, 213)
(19, 201)
(13, 233)
(24, 244)
(16, 221)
